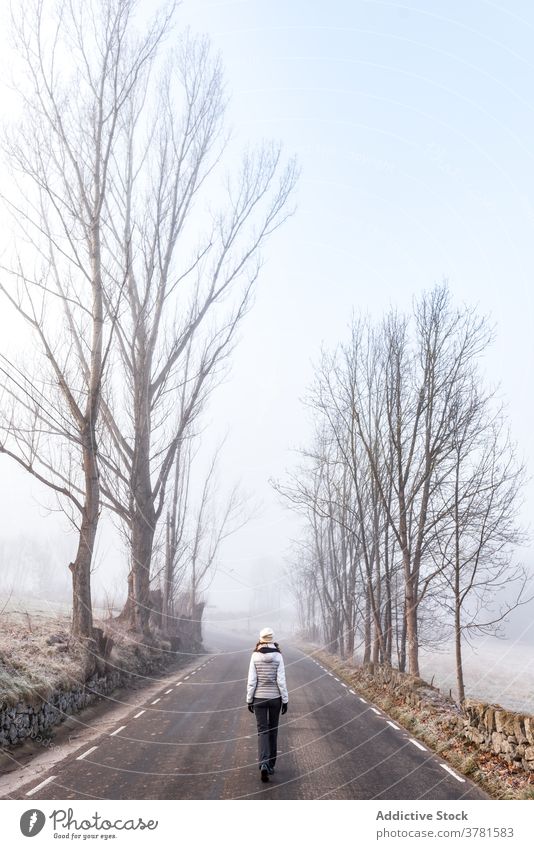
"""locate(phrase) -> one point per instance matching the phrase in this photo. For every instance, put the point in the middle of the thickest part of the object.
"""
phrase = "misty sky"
(414, 125)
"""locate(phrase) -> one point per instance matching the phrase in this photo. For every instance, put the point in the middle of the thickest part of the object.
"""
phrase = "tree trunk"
(367, 631)
(197, 623)
(402, 648)
(143, 527)
(349, 640)
(411, 634)
(143, 521)
(82, 610)
(457, 594)
(458, 653)
(410, 614)
(127, 612)
(168, 576)
(388, 622)
(82, 615)
(376, 647)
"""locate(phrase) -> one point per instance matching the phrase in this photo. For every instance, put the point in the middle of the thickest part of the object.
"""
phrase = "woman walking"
(266, 696)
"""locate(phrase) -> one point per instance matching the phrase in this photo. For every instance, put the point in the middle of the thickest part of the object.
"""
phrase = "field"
(499, 671)
(38, 654)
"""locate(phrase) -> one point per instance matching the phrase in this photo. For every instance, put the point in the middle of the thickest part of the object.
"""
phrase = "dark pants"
(267, 712)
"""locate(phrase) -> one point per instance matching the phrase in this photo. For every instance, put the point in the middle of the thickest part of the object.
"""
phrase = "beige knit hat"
(266, 635)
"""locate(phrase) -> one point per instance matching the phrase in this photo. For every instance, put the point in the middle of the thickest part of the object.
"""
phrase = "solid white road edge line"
(42, 784)
(457, 777)
(117, 730)
(88, 752)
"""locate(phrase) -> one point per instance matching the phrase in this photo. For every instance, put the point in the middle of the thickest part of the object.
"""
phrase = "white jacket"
(266, 675)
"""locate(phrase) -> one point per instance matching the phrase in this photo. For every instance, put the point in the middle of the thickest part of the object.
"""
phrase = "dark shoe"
(264, 769)
(270, 768)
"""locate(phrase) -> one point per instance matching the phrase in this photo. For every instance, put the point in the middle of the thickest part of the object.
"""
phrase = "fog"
(413, 131)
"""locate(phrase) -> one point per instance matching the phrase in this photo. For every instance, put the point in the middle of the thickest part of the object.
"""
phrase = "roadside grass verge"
(39, 656)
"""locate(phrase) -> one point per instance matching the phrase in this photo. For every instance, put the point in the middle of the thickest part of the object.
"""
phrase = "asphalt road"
(195, 739)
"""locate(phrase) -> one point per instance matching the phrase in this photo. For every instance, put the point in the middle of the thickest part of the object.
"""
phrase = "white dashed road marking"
(42, 784)
(419, 746)
(88, 752)
(155, 701)
(137, 715)
(457, 777)
(352, 691)
(396, 727)
(363, 700)
(376, 711)
(117, 730)
(178, 684)
(168, 691)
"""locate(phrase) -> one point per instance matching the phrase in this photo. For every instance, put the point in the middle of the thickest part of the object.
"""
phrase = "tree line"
(135, 257)
(409, 490)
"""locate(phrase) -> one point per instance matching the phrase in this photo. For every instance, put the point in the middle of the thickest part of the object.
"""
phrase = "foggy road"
(195, 739)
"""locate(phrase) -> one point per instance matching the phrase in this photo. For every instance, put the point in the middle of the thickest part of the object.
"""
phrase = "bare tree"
(83, 69)
(479, 531)
(211, 525)
(346, 381)
(420, 385)
(302, 584)
(410, 487)
(322, 489)
(189, 277)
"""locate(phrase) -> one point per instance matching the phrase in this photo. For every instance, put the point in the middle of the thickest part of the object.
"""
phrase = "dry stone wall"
(493, 729)
(505, 733)
(22, 721)
(25, 721)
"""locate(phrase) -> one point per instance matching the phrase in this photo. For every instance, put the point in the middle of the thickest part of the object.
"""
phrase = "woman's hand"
(250, 707)
(284, 708)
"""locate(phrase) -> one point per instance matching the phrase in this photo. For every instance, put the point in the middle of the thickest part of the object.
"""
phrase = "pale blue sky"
(413, 124)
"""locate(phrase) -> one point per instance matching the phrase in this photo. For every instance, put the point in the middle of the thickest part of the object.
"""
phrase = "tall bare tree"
(479, 532)
(189, 268)
(421, 381)
(83, 67)
(412, 473)
(197, 525)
